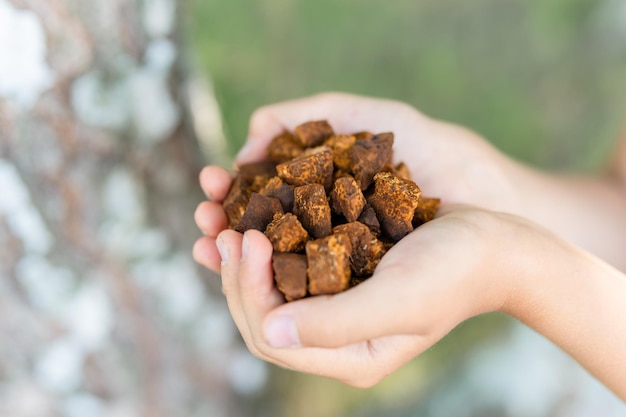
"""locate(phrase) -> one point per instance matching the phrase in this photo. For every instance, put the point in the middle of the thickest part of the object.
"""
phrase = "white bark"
(102, 310)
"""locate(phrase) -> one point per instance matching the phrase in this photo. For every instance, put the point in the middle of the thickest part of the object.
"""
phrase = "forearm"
(579, 303)
(589, 212)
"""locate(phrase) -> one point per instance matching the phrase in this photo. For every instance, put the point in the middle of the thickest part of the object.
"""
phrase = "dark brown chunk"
(347, 198)
(369, 156)
(313, 166)
(341, 145)
(255, 175)
(236, 202)
(311, 206)
(366, 249)
(249, 172)
(368, 218)
(283, 148)
(286, 233)
(328, 262)
(313, 133)
(259, 213)
(426, 210)
(394, 200)
(276, 188)
(290, 274)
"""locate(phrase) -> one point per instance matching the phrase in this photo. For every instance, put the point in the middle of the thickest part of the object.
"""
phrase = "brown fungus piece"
(259, 213)
(311, 206)
(236, 202)
(366, 249)
(276, 188)
(426, 210)
(368, 218)
(347, 198)
(290, 274)
(394, 200)
(341, 145)
(369, 156)
(313, 166)
(313, 133)
(283, 148)
(328, 261)
(286, 233)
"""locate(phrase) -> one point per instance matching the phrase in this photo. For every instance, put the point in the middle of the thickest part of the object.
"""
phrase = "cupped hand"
(433, 279)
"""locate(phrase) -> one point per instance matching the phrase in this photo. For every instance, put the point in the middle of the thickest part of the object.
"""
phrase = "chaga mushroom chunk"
(369, 156)
(328, 261)
(276, 188)
(286, 233)
(368, 218)
(341, 145)
(311, 206)
(313, 166)
(394, 200)
(259, 213)
(236, 202)
(347, 198)
(314, 133)
(283, 148)
(290, 274)
(366, 249)
(426, 210)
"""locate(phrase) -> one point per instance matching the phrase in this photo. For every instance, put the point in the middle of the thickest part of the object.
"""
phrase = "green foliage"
(530, 76)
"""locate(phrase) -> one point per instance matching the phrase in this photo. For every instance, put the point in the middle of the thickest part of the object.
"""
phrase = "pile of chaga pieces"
(332, 205)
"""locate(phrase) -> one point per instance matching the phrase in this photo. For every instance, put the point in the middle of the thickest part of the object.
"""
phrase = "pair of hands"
(466, 262)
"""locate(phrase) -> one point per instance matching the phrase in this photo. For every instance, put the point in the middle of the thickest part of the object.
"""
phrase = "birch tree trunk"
(102, 310)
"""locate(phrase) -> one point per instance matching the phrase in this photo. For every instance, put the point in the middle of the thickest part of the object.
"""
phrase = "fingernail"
(245, 152)
(222, 248)
(281, 332)
(244, 247)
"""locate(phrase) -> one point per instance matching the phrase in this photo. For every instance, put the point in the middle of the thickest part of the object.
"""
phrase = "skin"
(479, 255)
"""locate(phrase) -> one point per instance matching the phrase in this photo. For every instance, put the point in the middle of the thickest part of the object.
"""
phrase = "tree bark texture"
(102, 310)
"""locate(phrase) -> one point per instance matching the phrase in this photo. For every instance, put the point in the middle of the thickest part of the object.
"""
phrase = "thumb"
(425, 285)
(362, 313)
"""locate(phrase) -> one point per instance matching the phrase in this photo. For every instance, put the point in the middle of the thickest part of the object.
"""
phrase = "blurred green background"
(544, 80)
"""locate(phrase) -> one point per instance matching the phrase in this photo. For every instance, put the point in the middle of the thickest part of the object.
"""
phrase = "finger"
(215, 182)
(345, 112)
(229, 245)
(205, 253)
(256, 282)
(210, 218)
